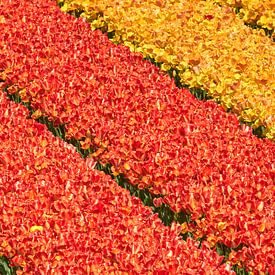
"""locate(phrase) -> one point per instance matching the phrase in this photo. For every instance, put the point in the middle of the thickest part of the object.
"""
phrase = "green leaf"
(5, 269)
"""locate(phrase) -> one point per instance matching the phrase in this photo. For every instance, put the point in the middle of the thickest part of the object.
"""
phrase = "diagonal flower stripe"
(160, 137)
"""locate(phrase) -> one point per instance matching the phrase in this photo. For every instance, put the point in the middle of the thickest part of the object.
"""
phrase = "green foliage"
(268, 32)
(5, 268)
(260, 131)
(60, 3)
(223, 250)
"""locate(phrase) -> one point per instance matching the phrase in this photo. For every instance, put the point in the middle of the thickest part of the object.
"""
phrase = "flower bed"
(160, 137)
(254, 12)
(59, 216)
(209, 46)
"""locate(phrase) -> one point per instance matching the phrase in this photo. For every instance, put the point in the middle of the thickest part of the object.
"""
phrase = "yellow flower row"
(208, 44)
(254, 11)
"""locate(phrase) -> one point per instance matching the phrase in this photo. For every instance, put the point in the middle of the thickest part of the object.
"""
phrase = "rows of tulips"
(193, 153)
(254, 11)
(60, 216)
(208, 44)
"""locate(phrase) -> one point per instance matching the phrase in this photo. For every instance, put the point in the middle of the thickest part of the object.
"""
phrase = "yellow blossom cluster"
(260, 12)
(207, 43)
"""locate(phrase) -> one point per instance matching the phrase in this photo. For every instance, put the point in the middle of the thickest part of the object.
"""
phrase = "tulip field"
(207, 44)
(75, 77)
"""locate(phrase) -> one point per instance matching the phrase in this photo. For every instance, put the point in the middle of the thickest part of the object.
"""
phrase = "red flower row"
(59, 216)
(160, 137)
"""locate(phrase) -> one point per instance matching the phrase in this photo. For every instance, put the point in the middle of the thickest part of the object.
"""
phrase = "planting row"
(193, 153)
(254, 12)
(209, 46)
(59, 216)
